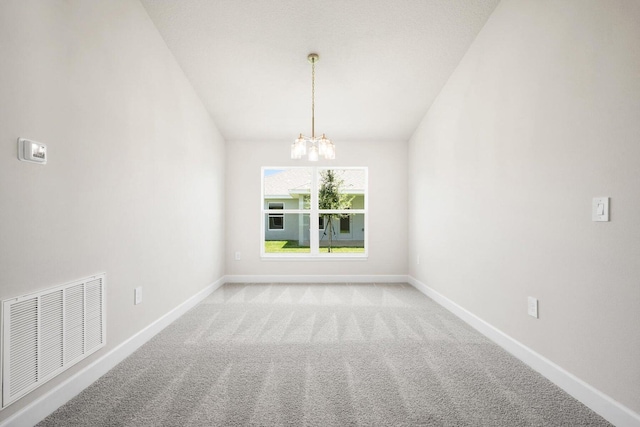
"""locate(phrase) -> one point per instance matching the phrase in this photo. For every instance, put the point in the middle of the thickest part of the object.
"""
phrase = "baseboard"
(611, 410)
(321, 278)
(40, 408)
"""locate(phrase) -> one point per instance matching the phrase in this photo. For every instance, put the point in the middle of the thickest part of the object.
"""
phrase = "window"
(276, 221)
(321, 212)
(345, 224)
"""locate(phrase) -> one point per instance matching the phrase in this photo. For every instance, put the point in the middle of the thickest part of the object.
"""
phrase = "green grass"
(291, 246)
(277, 246)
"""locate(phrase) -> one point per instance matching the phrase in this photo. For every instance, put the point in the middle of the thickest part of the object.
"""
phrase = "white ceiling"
(381, 65)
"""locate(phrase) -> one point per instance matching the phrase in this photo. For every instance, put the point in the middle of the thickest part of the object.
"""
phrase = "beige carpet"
(321, 355)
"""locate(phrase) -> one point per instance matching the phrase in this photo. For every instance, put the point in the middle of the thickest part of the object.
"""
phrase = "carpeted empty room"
(319, 213)
(321, 355)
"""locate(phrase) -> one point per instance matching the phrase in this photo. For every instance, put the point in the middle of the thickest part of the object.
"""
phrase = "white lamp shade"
(330, 152)
(313, 154)
(295, 153)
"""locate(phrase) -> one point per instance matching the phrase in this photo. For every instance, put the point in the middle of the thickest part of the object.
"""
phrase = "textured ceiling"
(381, 65)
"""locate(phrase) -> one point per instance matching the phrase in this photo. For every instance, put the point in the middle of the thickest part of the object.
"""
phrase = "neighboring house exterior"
(290, 189)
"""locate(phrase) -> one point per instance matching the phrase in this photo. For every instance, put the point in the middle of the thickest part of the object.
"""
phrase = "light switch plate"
(137, 295)
(600, 209)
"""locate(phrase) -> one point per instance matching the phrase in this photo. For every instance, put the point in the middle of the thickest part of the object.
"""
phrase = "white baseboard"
(611, 410)
(40, 408)
(321, 278)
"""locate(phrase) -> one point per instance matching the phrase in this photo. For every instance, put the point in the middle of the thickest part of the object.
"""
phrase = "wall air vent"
(45, 333)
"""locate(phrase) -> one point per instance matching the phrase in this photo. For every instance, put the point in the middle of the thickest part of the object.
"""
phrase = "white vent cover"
(45, 333)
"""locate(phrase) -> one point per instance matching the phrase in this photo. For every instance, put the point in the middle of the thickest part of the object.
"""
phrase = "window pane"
(291, 187)
(276, 222)
(293, 237)
(341, 188)
(345, 224)
(342, 234)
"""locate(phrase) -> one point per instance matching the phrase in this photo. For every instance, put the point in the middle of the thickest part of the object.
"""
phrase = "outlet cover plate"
(137, 293)
(532, 307)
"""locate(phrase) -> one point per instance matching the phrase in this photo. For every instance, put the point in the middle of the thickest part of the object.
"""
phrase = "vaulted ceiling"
(382, 62)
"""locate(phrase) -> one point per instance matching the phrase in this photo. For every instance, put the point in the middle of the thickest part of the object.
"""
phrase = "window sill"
(313, 258)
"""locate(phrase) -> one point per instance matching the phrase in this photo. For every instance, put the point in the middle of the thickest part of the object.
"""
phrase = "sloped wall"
(134, 185)
(541, 115)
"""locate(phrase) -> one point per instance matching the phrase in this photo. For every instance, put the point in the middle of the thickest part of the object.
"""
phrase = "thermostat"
(32, 151)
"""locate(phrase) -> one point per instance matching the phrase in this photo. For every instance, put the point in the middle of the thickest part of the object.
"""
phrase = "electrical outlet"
(238, 256)
(532, 307)
(137, 295)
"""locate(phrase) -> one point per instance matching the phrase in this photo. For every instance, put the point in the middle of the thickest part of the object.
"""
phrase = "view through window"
(314, 212)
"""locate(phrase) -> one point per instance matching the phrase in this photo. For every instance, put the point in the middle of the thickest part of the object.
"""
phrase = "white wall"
(134, 186)
(541, 115)
(387, 207)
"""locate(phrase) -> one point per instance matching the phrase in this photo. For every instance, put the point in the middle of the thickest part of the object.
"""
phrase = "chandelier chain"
(313, 98)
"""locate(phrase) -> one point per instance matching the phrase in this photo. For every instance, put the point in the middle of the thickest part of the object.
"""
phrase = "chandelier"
(317, 147)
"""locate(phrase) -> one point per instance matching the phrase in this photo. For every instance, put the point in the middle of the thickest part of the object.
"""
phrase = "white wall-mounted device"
(600, 209)
(32, 151)
(532, 307)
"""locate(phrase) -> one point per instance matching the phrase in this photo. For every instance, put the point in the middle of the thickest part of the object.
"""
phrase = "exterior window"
(345, 225)
(276, 221)
(324, 211)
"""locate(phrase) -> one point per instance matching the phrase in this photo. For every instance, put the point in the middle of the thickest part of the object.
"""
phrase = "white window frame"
(314, 215)
(274, 214)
